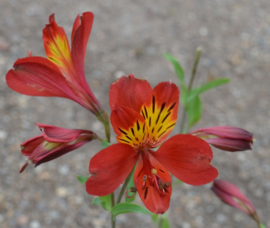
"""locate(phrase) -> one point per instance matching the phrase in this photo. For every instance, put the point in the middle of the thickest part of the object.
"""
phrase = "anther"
(144, 178)
(167, 184)
(154, 171)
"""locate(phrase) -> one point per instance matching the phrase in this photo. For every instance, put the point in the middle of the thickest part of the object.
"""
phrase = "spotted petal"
(152, 192)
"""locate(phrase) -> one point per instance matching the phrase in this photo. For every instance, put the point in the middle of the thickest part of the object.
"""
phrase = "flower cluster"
(141, 117)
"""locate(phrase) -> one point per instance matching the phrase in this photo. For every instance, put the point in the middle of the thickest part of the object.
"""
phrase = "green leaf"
(181, 76)
(131, 184)
(104, 201)
(214, 83)
(82, 179)
(177, 67)
(122, 208)
(105, 144)
(262, 225)
(194, 110)
(207, 86)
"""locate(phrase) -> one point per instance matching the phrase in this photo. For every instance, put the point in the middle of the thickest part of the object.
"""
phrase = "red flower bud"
(232, 196)
(226, 138)
(53, 143)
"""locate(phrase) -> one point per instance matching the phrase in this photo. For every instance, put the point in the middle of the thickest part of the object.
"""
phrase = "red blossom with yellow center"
(143, 118)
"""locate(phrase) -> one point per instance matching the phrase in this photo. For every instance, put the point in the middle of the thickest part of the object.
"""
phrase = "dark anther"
(167, 184)
(133, 189)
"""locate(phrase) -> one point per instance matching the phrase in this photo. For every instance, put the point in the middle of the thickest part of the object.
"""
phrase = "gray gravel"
(130, 37)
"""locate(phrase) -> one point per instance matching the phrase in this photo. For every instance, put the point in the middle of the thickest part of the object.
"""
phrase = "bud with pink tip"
(226, 138)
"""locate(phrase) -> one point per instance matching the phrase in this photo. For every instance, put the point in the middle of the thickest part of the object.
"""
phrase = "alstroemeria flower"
(232, 196)
(226, 138)
(53, 143)
(142, 118)
(61, 74)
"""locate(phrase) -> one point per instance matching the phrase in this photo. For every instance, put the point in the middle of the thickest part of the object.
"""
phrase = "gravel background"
(130, 37)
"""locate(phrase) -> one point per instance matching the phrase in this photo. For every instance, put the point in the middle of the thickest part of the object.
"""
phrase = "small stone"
(221, 218)
(64, 169)
(62, 192)
(3, 135)
(118, 74)
(203, 31)
(22, 220)
(35, 224)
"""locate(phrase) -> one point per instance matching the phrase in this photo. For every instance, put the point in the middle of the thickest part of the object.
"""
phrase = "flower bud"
(53, 143)
(232, 196)
(226, 138)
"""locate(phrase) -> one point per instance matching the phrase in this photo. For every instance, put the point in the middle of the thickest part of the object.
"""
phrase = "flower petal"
(129, 91)
(231, 145)
(148, 192)
(160, 111)
(128, 125)
(80, 35)
(30, 145)
(109, 168)
(188, 158)
(57, 47)
(37, 76)
(62, 135)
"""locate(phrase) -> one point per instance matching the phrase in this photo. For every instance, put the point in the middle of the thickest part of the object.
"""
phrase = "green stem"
(194, 70)
(160, 222)
(124, 186)
(112, 202)
(104, 119)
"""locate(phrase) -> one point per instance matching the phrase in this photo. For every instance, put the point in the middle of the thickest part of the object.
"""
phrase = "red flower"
(226, 138)
(231, 195)
(62, 73)
(53, 143)
(142, 118)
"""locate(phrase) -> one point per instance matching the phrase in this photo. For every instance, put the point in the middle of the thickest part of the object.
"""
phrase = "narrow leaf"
(262, 225)
(105, 144)
(207, 86)
(122, 208)
(194, 110)
(214, 83)
(131, 184)
(82, 179)
(104, 201)
(177, 67)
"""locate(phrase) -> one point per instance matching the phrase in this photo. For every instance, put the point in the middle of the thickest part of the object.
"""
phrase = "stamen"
(154, 171)
(167, 184)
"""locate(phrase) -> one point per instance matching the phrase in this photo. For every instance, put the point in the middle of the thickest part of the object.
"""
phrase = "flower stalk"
(194, 71)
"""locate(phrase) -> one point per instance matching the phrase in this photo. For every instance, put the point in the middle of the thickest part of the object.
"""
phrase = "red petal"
(37, 76)
(187, 158)
(57, 47)
(149, 194)
(76, 24)
(109, 168)
(30, 145)
(130, 92)
(80, 35)
(160, 111)
(62, 135)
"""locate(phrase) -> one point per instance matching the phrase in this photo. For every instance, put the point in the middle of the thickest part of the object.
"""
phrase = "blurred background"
(131, 37)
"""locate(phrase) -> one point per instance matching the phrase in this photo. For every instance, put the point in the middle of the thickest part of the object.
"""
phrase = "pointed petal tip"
(24, 166)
